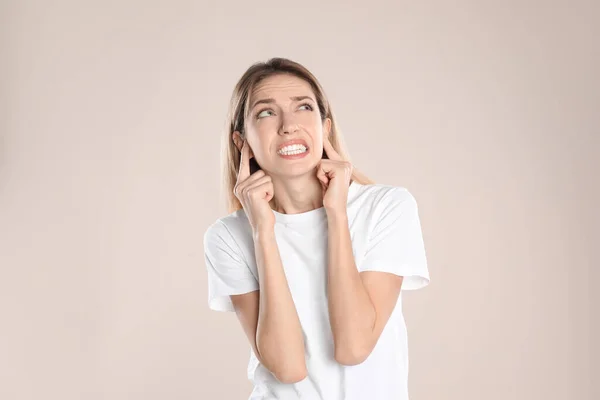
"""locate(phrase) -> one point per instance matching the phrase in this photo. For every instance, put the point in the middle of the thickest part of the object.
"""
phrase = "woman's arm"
(360, 303)
(269, 316)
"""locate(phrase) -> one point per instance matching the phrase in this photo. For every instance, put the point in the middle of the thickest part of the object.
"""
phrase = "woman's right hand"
(254, 192)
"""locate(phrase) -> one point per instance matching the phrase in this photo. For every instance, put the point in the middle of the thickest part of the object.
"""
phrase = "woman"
(313, 256)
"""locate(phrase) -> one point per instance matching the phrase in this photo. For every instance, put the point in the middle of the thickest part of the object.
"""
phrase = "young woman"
(313, 256)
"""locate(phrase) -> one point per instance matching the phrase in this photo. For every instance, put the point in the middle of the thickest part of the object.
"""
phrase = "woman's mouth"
(293, 151)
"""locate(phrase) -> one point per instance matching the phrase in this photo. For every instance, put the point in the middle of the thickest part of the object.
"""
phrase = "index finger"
(244, 170)
(329, 150)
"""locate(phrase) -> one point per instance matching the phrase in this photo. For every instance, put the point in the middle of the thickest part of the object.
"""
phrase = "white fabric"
(386, 236)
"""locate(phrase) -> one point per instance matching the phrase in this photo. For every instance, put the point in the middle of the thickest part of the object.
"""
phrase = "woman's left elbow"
(353, 355)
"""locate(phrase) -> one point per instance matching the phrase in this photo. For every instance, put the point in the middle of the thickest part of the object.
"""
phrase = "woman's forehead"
(281, 85)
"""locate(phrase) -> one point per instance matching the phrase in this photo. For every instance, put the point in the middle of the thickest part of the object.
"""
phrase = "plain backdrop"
(111, 116)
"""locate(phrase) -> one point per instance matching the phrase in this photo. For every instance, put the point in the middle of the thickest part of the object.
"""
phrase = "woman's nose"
(288, 125)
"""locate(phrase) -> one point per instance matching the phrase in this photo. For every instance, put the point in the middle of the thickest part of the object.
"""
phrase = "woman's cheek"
(267, 127)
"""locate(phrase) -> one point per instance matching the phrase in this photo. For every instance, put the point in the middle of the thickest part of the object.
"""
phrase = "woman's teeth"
(292, 150)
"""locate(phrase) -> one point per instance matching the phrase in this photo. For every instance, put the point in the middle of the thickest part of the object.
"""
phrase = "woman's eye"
(307, 105)
(262, 113)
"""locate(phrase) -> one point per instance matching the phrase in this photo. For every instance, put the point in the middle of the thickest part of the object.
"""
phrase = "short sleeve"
(227, 271)
(395, 242)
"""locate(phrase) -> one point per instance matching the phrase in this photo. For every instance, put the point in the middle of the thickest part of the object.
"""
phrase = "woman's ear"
(327, 127)
(237, 140)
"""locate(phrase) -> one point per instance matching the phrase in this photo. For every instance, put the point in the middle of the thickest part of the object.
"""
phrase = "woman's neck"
(297, 196)
(294, 196)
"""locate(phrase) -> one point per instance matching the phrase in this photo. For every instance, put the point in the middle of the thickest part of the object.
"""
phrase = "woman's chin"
(292, 171)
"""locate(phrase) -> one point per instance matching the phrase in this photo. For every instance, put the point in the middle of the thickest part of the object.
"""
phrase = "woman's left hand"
(334, 174)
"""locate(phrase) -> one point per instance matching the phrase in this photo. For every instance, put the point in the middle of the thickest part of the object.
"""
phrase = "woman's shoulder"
(234, 225)
(383, 194)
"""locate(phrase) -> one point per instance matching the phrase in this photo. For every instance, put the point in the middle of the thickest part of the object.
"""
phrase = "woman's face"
(283, 111)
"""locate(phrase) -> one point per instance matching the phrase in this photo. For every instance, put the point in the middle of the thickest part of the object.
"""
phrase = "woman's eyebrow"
(271, 100)
(299, 98)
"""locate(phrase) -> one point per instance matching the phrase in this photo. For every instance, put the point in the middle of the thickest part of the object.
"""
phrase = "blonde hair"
(238, 111)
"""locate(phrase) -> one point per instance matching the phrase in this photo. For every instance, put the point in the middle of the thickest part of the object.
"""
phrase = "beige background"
(111, 115)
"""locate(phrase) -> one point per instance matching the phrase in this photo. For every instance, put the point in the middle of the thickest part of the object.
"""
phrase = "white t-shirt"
(386, 236)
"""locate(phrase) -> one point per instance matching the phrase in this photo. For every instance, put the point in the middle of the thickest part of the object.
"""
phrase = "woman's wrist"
(335, 215)
(263, 231)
